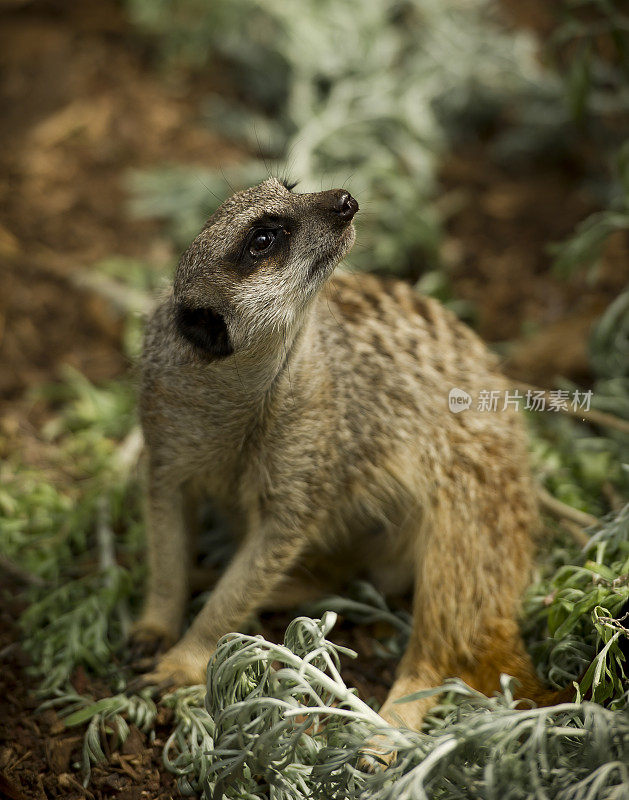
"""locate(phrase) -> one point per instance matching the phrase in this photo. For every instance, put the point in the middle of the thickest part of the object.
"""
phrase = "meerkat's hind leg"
(473, 562)
(414, 675)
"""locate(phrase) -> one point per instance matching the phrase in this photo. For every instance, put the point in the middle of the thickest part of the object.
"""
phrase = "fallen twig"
(19, 574)
(572, 519)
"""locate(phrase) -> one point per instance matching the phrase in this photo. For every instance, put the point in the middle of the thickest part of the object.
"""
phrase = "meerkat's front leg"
(159, 625)
(264, 558)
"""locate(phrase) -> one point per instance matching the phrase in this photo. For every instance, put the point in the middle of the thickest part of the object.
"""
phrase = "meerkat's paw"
(379, 751)
(180, 666)
(378, 754)
(146, 641)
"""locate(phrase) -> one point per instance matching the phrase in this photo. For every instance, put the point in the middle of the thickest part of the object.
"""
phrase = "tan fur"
(326, 439)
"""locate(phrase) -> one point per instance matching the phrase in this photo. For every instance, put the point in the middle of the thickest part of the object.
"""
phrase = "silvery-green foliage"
(278, 720)
(269, 703)
(609, 343)
(596, 92)
(363, 604)
(187, 749)
(286, 726)
(106, 717)
(609, 349)
(584, 248)
(590, 462)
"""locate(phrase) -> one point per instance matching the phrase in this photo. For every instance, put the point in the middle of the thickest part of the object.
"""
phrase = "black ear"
(290, 185)
(205, 329)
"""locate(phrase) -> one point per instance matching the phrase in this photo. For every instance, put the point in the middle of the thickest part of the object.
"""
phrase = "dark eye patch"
(266, 236)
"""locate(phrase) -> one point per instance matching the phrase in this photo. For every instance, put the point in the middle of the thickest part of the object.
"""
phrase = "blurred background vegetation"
(488, 146)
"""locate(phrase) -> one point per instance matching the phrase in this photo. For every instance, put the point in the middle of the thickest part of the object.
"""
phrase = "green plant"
(584, 248)
(576, 618)
(577, 464)
(589, 51)
(75, 530)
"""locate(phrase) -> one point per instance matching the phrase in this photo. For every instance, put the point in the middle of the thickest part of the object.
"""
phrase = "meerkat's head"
(257, 264)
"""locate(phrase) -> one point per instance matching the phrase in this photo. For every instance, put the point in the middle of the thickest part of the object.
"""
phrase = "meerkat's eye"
(261, 241)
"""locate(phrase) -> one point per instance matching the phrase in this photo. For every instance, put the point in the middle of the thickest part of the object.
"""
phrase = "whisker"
(327, 289)
(260, 152)
(205, 186)
(225, 179)
(238, 372)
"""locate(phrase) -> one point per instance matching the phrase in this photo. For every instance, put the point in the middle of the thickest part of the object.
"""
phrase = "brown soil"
(498, 253)
(81, 105)
(37, 752)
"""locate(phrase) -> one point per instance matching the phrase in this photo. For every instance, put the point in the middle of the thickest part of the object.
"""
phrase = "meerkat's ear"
(205, 329)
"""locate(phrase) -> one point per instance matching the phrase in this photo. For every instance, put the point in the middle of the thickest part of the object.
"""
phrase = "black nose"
(345, 205)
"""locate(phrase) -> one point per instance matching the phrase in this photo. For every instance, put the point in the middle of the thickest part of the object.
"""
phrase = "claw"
(143, 648)
(376, 755)
(158, 688)
(142, 665)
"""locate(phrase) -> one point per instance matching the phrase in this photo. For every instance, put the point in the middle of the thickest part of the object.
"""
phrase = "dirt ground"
(498, 246)
(82, 103)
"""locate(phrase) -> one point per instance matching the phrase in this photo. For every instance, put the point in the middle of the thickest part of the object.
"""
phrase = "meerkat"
(311, 410)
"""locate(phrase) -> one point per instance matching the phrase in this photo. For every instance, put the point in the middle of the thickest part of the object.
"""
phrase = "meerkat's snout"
(327, 229)
(338, 201)
(345, 206)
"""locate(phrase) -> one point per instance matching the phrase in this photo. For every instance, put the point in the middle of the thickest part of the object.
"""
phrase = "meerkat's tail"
(502, 651)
